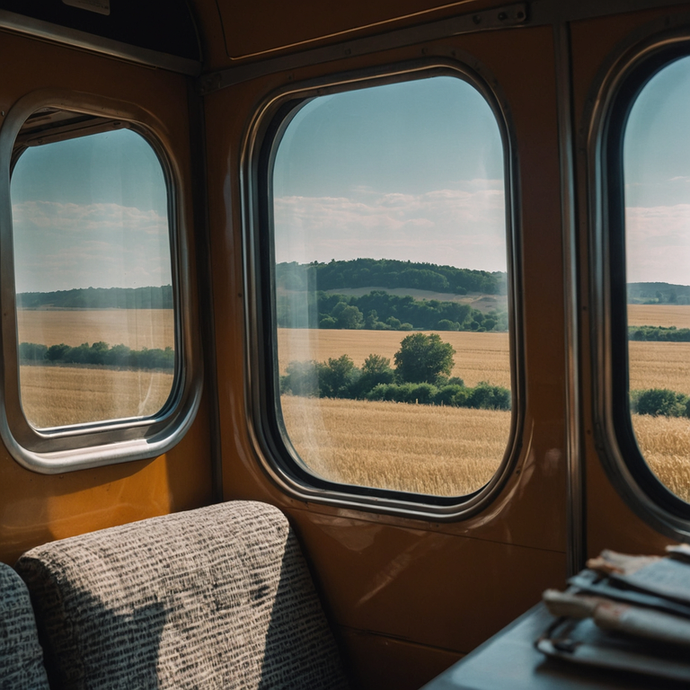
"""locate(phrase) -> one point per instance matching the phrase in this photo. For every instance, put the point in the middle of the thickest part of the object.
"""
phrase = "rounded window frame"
(616, 89)
(57, 450)
(273, 448)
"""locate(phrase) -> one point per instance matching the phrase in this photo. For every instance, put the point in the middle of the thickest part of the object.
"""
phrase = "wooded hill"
(387, 273)
(99, 298)
(658, 293)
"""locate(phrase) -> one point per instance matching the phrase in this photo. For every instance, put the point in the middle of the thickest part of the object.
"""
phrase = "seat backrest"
(21, 656)
(218, 597)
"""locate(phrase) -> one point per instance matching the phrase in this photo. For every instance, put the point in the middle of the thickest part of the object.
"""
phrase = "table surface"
(509, 661)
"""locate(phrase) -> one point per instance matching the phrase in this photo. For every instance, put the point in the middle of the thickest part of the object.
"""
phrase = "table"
(509, 661)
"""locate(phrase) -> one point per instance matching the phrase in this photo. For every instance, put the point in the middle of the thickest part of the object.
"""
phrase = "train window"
(93, 278)
(388, 268)
(656, 173)
(98, 367)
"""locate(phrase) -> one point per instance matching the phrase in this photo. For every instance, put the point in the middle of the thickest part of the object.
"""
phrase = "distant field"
(659, 315)
(440, 451)
(480, 356)
(660, 365)
(57, 396)
(135, 328)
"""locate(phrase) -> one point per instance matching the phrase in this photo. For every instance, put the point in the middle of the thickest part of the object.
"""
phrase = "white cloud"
(464, 226)
(64, 245)
(658, 244)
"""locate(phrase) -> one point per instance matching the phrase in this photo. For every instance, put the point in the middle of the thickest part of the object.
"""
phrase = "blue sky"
(404, 171)
(90, 212)
(657, 174)
(410, 171)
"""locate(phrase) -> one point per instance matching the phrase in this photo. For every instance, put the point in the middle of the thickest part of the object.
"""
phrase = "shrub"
(302, 378)
(383, 391)
(660, 402)
(422, 393)
(453, 395)
(487, 397)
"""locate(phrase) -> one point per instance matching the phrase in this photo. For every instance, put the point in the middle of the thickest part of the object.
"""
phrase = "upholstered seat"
(218, 597)
(21, 656)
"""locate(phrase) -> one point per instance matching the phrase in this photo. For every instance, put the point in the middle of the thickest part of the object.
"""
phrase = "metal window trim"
(83, 446)
(575, 509)
(647, 43)
(267, 446)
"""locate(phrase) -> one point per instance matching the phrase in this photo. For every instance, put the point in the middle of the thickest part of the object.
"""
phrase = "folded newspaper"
(626, 612)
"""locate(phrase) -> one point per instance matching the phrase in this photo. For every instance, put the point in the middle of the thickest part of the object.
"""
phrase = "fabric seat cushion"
(21, 656)
(218, 597)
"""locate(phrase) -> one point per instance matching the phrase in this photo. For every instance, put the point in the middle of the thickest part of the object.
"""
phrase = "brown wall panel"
(265, 27)
(35, 508)
(440, 586)
(611, 523)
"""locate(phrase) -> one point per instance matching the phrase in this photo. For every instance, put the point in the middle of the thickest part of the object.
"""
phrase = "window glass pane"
(95, 323)
(390, 287)
(657, 200)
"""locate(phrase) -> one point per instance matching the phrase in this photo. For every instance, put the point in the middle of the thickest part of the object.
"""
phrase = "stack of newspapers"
(630, 613)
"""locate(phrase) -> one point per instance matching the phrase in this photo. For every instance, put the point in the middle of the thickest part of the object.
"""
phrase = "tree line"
(421, 375)
(379, 310)
(388, 273)
(97, 354)
(669, 334)
(150, 297)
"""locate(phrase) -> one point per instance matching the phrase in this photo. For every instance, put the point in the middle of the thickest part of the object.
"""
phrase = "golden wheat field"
(442, 451)
(664, 442)
(677, 315)
(135, 328)
(58, 396)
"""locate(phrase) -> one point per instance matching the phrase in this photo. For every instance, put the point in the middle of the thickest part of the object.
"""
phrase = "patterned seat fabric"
(21, 656)
(218, 597)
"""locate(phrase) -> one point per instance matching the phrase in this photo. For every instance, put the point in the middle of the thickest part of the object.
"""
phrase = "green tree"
(337, 378)
(351, 317)
(375, 370)
(423, 358)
